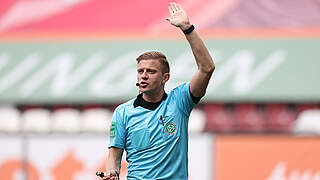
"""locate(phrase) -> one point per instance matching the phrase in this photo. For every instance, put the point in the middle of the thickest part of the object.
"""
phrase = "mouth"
(144, 84)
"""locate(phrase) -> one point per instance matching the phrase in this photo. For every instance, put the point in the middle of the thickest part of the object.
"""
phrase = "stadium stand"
(36, 120)
(279, 117)
(248, 118)
(66, 120)
(308, 122)
(206, 117)
(197, 121)
(305, 106)
(95, 120)
(9, 119)
(218, 118)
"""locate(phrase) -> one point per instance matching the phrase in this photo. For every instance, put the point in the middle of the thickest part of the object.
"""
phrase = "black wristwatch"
(189, 30)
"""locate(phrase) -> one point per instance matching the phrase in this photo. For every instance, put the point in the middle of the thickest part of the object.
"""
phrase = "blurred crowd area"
(300, 118)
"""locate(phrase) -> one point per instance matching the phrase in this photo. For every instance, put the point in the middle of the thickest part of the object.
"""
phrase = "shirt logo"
(170, 128)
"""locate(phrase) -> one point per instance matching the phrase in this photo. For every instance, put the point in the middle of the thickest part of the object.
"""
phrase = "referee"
(153, 127)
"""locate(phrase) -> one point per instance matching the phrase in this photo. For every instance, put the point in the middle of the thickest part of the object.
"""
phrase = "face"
(150, 76)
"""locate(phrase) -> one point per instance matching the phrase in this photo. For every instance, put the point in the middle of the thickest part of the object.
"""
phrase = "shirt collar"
(139, 101)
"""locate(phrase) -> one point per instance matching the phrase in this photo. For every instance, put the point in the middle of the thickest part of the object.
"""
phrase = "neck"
(153, 97)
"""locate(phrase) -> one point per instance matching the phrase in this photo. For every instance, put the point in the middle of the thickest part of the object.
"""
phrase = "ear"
(165, 78)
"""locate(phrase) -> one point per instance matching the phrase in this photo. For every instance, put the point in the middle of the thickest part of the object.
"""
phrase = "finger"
(171, 11)
(178, 6)
(107, 176)
(174, 6)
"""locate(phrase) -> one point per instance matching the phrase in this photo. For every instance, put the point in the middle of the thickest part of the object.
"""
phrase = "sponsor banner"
(54, 157)
(272, 157)
(246, 70)
(11, 156)
(78, 157)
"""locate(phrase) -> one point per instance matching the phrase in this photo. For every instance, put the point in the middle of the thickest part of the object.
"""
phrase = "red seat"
(91, 106)
(279, 117)
(31, 106)
(303, 107)
(62, 106)
(218, 119)
(248, 118)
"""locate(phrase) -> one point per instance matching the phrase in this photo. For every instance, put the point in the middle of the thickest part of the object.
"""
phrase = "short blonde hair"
(156, 56)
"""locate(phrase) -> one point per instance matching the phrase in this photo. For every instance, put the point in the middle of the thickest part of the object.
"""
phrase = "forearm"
(114, 159)
(113, 164)
(200, 79)
(200, 52)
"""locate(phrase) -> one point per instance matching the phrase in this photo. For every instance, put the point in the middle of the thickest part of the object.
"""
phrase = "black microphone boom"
(100, 174)
(137, 84)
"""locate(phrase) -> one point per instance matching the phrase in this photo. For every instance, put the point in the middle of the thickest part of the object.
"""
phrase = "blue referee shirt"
(156, 141)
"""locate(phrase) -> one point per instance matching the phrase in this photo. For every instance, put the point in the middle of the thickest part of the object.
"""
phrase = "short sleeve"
(183, 98)
(117, 130)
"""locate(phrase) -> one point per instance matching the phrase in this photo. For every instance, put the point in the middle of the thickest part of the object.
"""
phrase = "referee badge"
(170, 128)
(113, 129)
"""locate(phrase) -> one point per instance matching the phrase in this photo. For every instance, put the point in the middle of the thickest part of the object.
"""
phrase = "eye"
(151, 71)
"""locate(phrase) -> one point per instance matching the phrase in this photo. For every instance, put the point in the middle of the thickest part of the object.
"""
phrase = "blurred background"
(65, 65)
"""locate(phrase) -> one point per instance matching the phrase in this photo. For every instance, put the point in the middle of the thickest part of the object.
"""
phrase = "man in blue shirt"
(153, 128)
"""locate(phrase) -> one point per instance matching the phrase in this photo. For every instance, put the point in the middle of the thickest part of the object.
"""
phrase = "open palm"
(178, 17)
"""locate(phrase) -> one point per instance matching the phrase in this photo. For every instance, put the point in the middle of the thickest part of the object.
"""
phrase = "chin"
(147, 90)
(144, 90)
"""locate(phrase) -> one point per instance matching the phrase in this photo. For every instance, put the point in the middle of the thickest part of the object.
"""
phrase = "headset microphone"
(137, 84)
(100, 174)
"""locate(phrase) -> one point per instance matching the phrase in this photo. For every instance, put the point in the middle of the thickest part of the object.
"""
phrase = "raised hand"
(178, 16)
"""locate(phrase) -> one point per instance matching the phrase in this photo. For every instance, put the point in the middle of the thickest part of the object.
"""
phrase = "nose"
(144, 75)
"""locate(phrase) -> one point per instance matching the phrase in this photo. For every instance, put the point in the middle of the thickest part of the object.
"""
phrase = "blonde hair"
(156, 56)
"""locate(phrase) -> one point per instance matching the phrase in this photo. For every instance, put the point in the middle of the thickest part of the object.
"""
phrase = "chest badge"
(170, 128)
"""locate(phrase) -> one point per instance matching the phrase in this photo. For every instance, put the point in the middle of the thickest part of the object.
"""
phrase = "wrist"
(189, 30)
(185, 26)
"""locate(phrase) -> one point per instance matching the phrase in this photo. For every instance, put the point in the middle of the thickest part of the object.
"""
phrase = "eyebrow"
(148, 69)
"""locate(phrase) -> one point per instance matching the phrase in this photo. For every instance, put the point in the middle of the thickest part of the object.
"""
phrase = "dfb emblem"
(170, 128)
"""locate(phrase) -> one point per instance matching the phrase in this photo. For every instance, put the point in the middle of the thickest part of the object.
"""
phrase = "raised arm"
(199, 82)
(113, 164)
